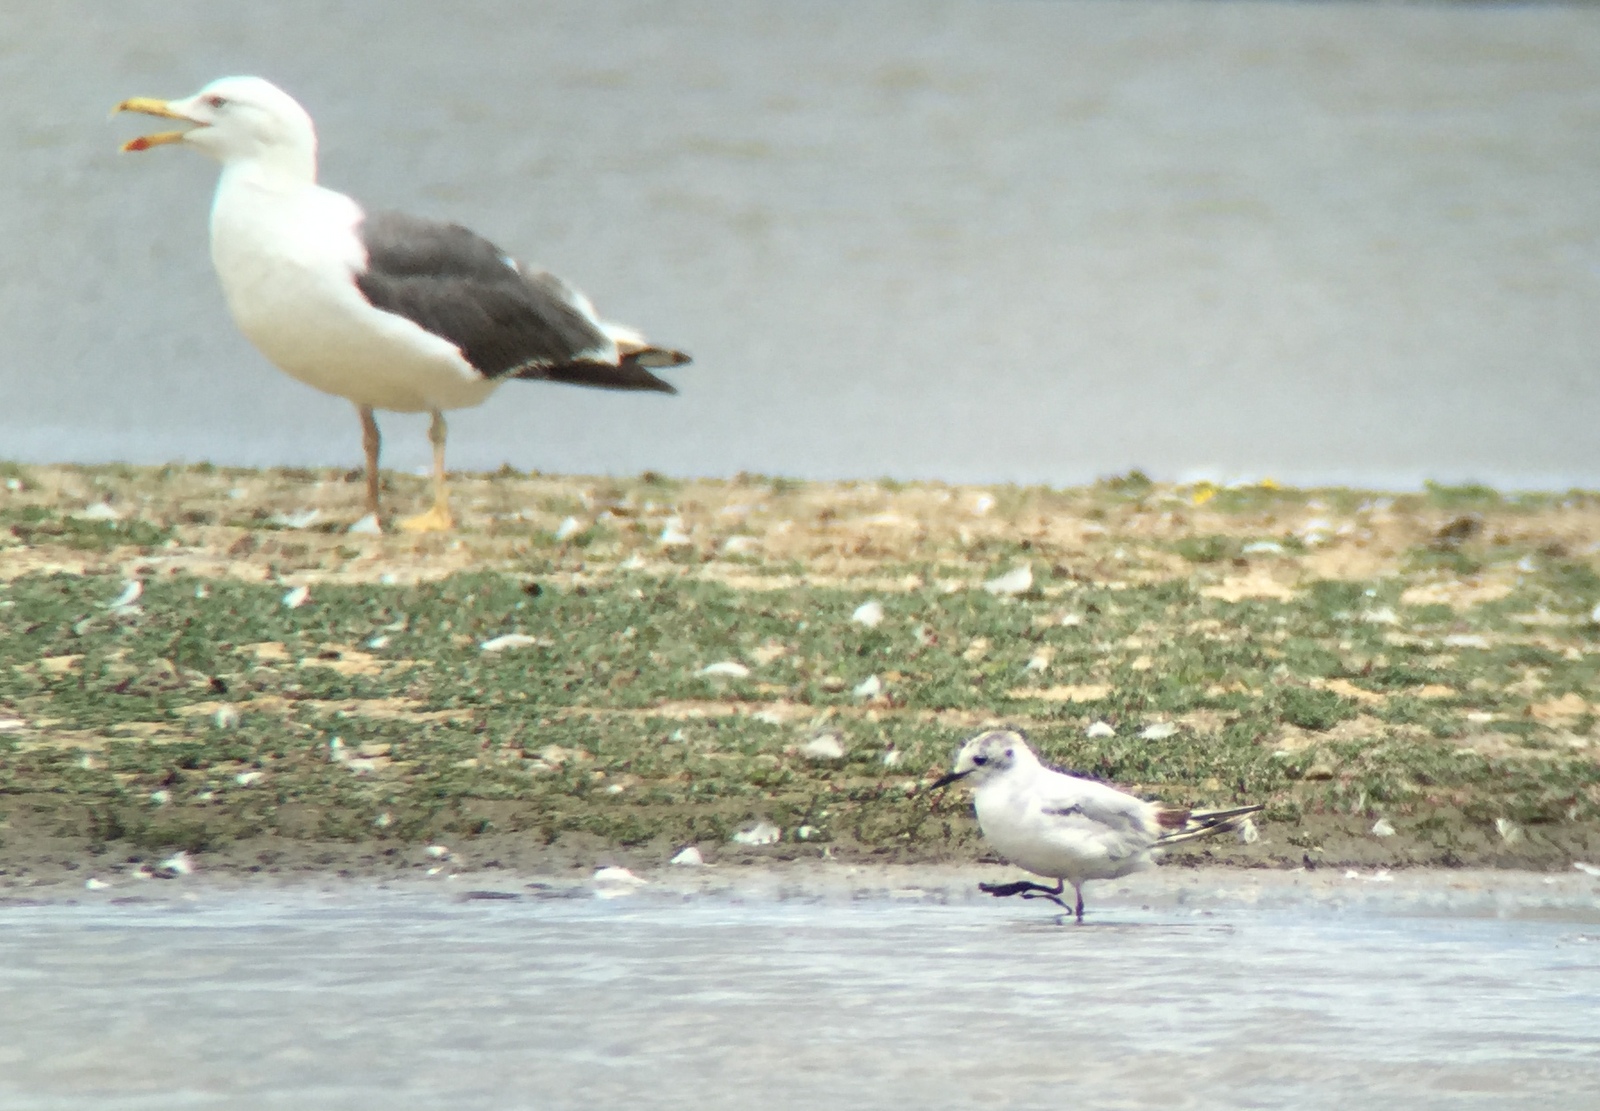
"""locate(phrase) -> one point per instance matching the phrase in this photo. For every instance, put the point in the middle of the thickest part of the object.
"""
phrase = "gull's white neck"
(276, 234)
(279, 172)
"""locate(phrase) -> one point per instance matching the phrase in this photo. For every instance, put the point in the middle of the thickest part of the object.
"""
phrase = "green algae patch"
(659, 671)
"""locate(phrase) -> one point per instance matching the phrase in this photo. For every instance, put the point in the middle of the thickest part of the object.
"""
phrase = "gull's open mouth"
(150, 106)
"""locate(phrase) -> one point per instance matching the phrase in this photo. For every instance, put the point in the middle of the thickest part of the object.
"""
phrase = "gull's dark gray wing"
(506, 322)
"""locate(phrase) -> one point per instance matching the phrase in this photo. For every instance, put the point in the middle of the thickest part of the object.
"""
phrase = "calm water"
(1420, 993)
(963, 239)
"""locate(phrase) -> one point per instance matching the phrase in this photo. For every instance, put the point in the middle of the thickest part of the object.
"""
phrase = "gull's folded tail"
(1203, 823)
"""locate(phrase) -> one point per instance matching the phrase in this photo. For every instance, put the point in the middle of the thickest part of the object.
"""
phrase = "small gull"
(387, 310)
(1070, 829)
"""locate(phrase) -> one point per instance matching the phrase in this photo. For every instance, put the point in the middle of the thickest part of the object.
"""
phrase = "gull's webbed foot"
(1027, 889)
(437, 519)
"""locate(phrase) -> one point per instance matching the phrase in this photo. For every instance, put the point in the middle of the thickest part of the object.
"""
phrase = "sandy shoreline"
(1570, 895)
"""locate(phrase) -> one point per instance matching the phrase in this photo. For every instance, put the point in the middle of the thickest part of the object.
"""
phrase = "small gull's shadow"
(1057, 922)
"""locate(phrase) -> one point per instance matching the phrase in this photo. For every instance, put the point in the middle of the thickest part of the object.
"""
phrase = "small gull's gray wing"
(1087, 812)
(1120, 819)
(506, 322)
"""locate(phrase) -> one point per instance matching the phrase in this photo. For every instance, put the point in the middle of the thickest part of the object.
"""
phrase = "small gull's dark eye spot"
(1009, 753)
(980, 759)
(216, 101)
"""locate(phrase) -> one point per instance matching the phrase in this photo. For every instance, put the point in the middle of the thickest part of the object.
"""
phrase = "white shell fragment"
(226, 717)
(1100, 730)
(673, 535)
(611, 882)
(869, 614)
(297, 597)
(1262, 547)
(509, 640)
(870, 687)
(305, 518)
(1159, 731)
(892, 758)
(367, 526)
(568, 528)
(762, 833)
(438, 852)
(384, 820)
(160, 798)
(1466, 640)
(688, 857)
(824, 746)
(1586, 869)
(130, 594)
(731, 669)
(99, 511)
(740, 545)
(1510, 832)
(93, 884)
(982, 504)
(246, 779)
(1018, 580)
(1384, 615)
(1383, 828)
(179, 864)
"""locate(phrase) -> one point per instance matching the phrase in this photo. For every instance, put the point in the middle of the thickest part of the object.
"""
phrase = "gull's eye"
(217, 101)
(1009, 754)
(980, 760)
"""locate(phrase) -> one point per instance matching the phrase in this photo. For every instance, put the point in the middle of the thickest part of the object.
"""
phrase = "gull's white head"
(237, 120)
(988, 756)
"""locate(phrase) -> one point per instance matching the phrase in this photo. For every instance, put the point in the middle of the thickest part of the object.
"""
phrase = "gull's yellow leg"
(437, 519)
(370, 441)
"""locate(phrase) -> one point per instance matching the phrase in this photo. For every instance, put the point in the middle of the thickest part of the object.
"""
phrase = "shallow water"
(1184, 991)
(960, 239)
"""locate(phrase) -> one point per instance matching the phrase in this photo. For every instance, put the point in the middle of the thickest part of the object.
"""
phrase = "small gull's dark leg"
(1079, 890)
(1029, 890)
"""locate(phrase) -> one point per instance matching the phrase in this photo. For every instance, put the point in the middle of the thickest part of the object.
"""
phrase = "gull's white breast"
(287, 258)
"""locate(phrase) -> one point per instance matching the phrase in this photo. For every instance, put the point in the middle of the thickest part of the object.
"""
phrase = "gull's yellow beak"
(150, 106)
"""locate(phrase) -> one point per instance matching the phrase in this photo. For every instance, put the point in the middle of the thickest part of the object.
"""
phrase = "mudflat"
(204, 659)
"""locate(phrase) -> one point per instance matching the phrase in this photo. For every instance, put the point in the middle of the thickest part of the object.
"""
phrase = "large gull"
(388, 310)
(1067, 828)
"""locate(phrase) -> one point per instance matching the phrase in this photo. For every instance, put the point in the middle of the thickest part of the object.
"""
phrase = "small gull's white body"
(1064, 827)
